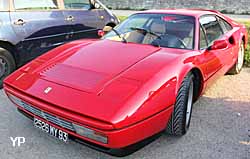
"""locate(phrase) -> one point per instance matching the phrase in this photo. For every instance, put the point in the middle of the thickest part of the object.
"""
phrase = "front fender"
(158, 90)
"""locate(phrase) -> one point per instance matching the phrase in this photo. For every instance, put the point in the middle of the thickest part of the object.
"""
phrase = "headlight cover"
(91, 134)
(16, 100)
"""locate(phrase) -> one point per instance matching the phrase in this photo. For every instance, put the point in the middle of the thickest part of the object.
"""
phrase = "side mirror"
(219, 44)
(97, 5)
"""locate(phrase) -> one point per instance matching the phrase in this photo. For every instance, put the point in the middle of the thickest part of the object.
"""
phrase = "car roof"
(189, 12)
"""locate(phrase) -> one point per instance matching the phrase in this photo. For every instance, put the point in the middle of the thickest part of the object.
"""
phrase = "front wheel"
(7, 64)
(181, 116)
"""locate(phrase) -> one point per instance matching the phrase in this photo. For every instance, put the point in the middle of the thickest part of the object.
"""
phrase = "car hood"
(84, 78)
(93, 66)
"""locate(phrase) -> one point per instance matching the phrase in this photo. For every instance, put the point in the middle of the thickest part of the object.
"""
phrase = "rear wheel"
(7, 64)
(240, 61)
(181, 116)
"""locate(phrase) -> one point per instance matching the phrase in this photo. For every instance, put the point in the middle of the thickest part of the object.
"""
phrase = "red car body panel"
(123, 90)
(119, 138)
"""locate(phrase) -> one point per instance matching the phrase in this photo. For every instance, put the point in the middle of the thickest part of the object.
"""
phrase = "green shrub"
(247, 53)
(122, 18)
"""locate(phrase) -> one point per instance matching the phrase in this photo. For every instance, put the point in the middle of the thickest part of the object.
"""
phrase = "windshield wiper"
(118, 34)
(147, 31)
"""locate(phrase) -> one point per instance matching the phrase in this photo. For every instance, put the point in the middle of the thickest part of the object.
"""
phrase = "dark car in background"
(29, 28)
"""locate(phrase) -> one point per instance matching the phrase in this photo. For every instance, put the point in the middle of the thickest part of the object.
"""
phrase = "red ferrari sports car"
(140, 79)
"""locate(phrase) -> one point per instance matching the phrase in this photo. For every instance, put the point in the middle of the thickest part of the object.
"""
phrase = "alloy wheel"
(240, 60)
(3, 67)
(189, 103)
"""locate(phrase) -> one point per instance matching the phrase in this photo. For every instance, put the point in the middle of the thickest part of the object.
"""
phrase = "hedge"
(247, 53)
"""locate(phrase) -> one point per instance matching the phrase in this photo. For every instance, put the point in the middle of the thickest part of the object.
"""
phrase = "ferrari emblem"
(47, 90)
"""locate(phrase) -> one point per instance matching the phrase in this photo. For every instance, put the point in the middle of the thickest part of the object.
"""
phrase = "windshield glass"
(164, 30)
(3, 5)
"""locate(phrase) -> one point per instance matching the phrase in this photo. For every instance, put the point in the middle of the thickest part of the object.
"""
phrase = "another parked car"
(140, 79)
(30, 28)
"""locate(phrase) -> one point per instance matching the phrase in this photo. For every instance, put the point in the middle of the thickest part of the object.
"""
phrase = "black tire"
(236, 69)
(180, 119)
(7, 64)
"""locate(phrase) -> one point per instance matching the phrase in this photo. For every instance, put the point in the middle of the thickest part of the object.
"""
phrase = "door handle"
(70, 18)
(19, 22)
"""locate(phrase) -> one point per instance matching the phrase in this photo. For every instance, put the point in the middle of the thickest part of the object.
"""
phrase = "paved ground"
(220, 129)
(129, 12)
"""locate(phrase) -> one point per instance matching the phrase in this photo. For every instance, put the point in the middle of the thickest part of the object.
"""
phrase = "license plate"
(47, 128)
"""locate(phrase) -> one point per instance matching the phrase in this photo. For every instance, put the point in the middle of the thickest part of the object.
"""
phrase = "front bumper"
(120, 141)
(119, 152)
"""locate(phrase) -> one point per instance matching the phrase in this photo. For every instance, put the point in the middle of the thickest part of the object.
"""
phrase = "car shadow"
(212, 120)
(217, 125)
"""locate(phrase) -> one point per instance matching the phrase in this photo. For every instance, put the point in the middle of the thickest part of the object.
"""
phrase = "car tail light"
(91, 134)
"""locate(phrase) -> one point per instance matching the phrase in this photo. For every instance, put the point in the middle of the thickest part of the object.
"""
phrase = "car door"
(215, 60)
(82, 17)
(40, 25)
(230, 34)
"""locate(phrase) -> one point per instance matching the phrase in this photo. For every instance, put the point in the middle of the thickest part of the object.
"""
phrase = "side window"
(224, 25)
(77, 4)
(212, 28)
(3, 5)
(35, 5)
(228, 26)
(203, 40)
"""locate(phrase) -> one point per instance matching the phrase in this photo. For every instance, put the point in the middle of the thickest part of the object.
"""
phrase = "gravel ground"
(220, 129)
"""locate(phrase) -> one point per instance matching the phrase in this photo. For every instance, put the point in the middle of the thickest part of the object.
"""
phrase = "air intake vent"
(51, 118)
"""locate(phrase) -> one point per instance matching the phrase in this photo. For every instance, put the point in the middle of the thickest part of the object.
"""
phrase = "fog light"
(16, 100)
(91, 134)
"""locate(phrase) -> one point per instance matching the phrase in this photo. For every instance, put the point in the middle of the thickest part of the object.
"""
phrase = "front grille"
(51, 118)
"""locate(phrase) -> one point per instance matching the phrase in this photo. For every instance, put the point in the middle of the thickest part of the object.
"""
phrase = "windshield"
(164, 30)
